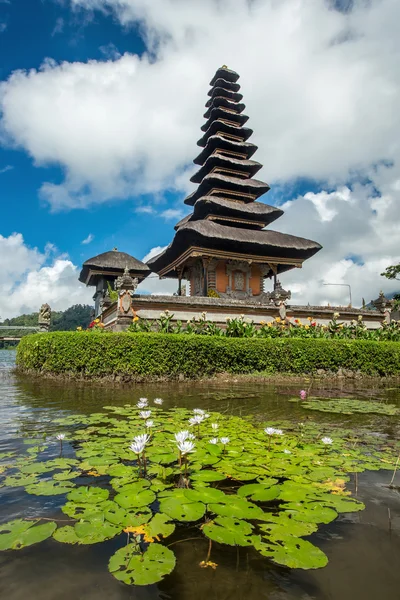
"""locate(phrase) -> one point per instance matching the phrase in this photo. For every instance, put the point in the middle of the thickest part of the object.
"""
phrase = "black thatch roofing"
(248, 167)
(213, 236)
(225, 85)
(221, 101)
(113, 261)
(221, 91)
(253, 211)
(242, 132)
(226, 74)
(216, 180)
(217, 141)
(220, 112)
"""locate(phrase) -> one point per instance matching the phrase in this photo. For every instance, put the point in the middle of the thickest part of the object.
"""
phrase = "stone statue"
(44, 317)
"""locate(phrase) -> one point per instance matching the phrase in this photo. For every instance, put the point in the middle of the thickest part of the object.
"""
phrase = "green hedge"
(146, 355)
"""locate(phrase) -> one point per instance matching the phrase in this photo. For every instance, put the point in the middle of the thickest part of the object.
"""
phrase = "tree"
(392, 272)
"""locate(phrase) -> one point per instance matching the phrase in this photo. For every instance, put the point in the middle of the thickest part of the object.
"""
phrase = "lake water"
(363, 548)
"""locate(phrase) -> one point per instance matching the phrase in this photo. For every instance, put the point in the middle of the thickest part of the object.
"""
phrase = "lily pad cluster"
(348, 406)
(239, 483)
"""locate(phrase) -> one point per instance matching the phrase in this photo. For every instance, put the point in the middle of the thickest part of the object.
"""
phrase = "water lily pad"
(125, 518)
(159, 526)
(259, 492)
(178, 507)
(238, 508)
(77, 510)
(135, 499)
(206, 495)
(88, 495)
(19, 479)
(131, 567)
(206, 475)
(310, 512)
(49, 488)
(90, 532)
(297, 553)
(227, 530)
(18, 534)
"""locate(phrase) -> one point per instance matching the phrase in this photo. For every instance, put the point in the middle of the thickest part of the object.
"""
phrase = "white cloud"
(153, 252)
(322, 90)
(6, 168)
(172, 214)
(28, 278)
(360, 239)
(58, 27)
(3, 27)
(88, 239)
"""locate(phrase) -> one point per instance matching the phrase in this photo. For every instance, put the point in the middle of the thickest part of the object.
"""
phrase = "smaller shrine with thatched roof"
(222, 247)
(102, 270)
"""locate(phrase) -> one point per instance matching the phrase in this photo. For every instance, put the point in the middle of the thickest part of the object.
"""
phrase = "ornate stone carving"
(44, 317)
(126, 282)
(382, 303)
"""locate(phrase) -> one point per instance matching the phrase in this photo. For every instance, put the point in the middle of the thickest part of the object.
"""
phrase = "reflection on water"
(363, 548)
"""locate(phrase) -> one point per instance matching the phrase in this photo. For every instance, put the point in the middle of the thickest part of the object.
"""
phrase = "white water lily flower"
(198, 411)
(158, 401)
(206, 416)
(270, 430)
(142, 439)
(287, 451)
(196, 420)
(145, 414)
(137, 447)
(278, 432)
(214, 426)
(142, 403)
(149, 423)
(213, 441)
(225, 440)
(186, 446)
(181, 436)
(327, 440)
(191, 437)
(60, 436)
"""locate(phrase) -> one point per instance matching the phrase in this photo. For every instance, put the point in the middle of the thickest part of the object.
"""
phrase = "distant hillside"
(78, 315)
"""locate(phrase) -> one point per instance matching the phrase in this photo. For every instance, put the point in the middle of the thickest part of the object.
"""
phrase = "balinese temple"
(222, 247)
(102, 270)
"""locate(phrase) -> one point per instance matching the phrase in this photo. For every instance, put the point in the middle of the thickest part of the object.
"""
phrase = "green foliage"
(295, 484)
(392, 272)
(75, 316)
(348, 406)
(290, 328)
(112, 293)
(144, 355)
(18, 534)
(78, 315)
(132, 566)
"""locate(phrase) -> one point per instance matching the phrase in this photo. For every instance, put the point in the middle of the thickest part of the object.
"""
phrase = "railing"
(16, 328)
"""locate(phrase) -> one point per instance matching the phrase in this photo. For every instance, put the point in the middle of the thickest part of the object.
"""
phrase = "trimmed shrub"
(152, 355)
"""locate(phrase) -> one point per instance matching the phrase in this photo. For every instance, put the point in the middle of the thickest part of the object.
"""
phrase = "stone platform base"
(118, 316)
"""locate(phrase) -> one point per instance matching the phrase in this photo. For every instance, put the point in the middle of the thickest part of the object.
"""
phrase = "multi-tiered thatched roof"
(227, 220)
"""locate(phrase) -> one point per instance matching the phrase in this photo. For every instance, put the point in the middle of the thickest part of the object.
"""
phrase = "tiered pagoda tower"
(222, 245)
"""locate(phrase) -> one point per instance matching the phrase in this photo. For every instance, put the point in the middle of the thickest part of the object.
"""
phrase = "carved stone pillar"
(126, 287)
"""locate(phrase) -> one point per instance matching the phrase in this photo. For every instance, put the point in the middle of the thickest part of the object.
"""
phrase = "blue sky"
(101, 104)
(73, 36)
(76, 36)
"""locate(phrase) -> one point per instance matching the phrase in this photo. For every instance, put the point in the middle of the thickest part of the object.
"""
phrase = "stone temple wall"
(119, 315)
